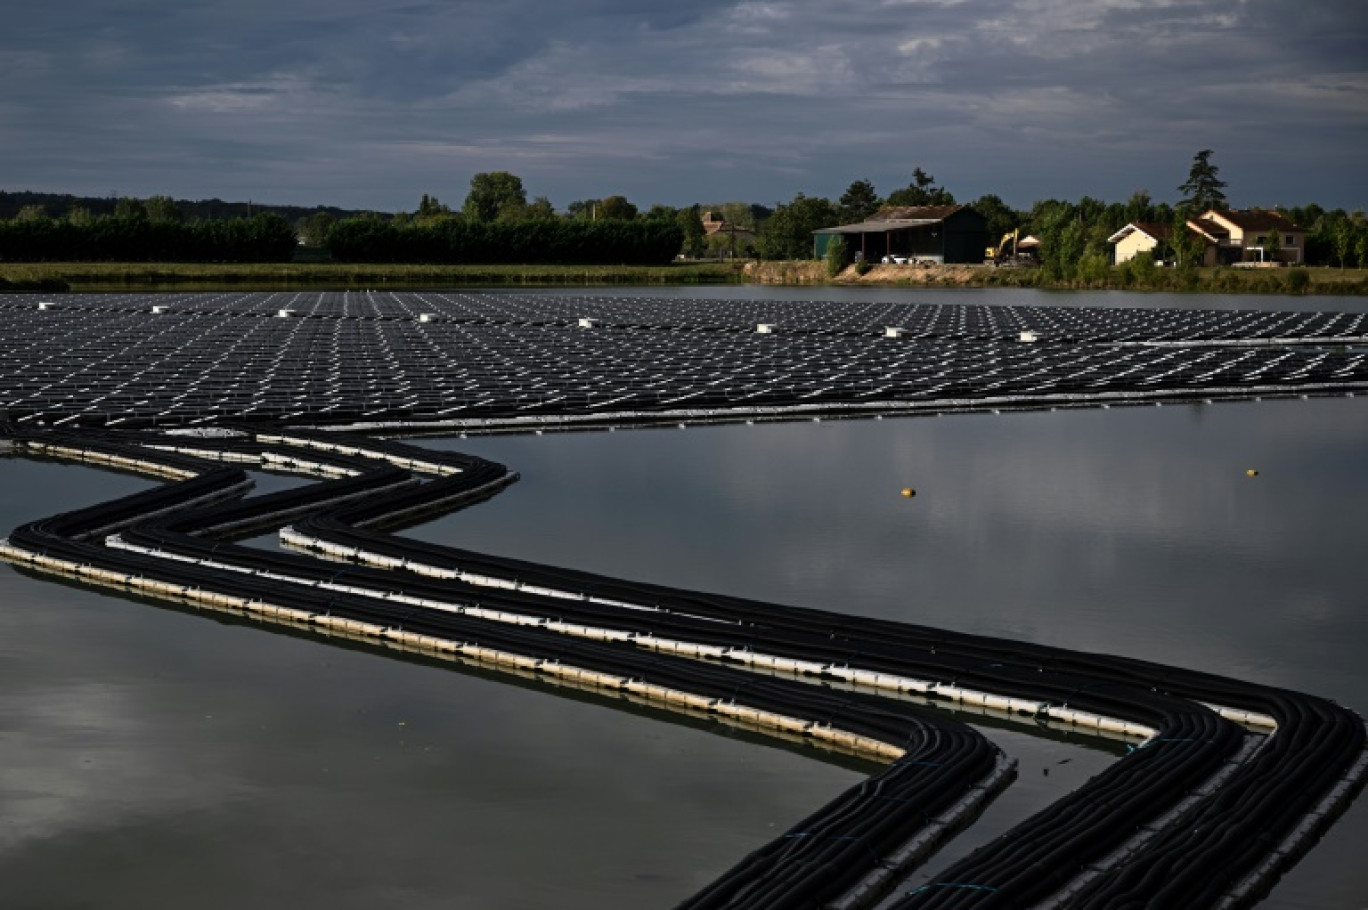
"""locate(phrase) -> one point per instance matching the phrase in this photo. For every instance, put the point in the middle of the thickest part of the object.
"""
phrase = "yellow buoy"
(1252, 473)
(909, 492)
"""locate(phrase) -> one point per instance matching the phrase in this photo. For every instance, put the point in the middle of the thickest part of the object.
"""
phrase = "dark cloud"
(371, 104)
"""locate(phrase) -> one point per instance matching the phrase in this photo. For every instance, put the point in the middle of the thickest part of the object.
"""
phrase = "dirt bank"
(923, 275)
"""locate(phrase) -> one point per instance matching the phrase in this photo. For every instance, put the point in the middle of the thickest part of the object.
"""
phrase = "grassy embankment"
(1217, 280)
(114, 276)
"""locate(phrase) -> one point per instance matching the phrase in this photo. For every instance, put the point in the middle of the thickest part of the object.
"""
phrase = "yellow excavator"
(1013, 249)
(1006, 248)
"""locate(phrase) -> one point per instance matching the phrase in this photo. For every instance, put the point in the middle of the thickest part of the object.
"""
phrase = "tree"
(1187, 250)
(921, 191)
(836, 253)
(616, 207)
(430, 207)
(31, 213)
(1139, 207)
(1343, 238)
(129, 208)
(493, 194)
(858, 202)
(313, 229)
(1272, 246)
(162, 209)
(79, 215)
(541, 207)
(1001, 218)
(787, 234)
(691, 224)
(1203, 188)
(1062, 240)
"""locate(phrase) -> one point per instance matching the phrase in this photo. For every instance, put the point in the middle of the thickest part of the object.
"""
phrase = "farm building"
(926, 233)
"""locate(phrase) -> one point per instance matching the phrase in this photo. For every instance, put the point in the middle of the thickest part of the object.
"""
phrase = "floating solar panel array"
(480, 360)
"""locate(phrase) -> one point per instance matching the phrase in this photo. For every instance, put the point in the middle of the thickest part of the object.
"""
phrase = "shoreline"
(57, 277)
(1319, 280)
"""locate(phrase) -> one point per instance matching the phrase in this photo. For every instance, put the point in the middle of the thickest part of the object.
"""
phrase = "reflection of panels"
(428, 357)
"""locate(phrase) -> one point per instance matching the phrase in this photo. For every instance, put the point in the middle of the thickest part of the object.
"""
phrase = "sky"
(369, 104)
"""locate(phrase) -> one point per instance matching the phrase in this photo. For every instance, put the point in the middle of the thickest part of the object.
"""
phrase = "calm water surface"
(150, 757)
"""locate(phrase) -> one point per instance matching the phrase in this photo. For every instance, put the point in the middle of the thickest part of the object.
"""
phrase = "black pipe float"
(941, 761)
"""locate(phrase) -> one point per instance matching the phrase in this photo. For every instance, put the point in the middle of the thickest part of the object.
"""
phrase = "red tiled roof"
(1155, 229)
(1161, 231)
(1256, 220)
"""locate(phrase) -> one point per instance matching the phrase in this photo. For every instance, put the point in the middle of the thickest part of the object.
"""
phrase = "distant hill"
(58, 204)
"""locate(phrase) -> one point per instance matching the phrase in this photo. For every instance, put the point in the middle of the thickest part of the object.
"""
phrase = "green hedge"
(261, 238)
(540, 241)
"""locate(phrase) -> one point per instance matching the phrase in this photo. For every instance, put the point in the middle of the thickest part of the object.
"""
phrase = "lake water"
(150, 757)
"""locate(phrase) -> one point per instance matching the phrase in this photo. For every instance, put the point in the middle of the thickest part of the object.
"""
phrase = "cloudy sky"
(371, 103)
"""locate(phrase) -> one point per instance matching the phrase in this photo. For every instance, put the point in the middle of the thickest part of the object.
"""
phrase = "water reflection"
(1131, 530)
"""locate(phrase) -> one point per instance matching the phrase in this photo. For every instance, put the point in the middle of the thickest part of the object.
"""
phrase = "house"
(1226, 238)
(1252, 236)
(1152, 238)
(927, 233)
(727, 232)
(1139, 237)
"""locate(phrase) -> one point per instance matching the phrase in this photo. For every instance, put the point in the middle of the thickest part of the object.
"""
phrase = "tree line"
(131, 234)
(531, 241)
(1073, 235)
(497, 223)
(57, 205)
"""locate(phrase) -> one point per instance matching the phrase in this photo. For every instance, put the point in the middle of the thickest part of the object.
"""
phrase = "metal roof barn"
(946, 234)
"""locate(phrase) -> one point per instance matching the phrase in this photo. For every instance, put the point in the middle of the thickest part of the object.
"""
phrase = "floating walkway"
(1268, 768)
